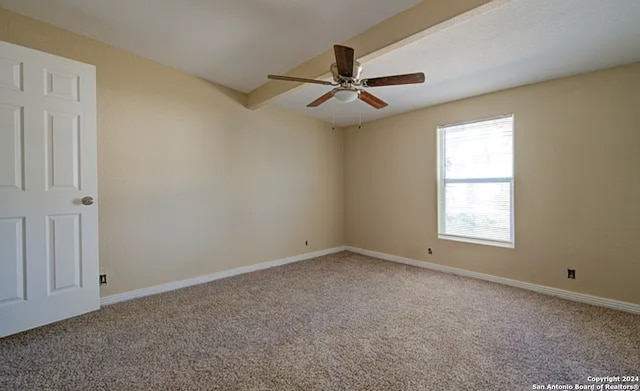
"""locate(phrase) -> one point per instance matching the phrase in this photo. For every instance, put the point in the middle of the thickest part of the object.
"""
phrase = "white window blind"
(475, 186)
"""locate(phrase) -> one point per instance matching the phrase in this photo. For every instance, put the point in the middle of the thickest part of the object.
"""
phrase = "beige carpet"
(340, 322)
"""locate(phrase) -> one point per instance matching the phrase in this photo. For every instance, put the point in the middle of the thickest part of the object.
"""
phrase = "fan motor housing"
(357, 68)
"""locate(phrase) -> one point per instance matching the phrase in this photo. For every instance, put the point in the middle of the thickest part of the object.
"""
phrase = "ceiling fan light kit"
(346, 78)
(346, 95)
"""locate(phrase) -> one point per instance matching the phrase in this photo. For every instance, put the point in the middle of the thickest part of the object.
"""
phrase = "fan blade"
(344, 60)
(299, 79)
(321, 99)
(410, 78)
(372, 100)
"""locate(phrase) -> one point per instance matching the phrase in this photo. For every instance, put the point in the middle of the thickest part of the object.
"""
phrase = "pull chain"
(360, 121)
(333, 118)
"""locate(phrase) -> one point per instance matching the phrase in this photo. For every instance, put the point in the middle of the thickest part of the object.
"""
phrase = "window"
(475, 182)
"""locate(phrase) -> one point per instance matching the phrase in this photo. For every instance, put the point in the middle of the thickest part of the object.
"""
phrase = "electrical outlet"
(103, 279)
(571, 273)
(429, 251)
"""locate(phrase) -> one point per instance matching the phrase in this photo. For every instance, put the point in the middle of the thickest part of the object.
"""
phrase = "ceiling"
(518, 43)
(235, 43)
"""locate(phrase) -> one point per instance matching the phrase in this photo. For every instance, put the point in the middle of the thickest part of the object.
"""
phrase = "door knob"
(87, 200)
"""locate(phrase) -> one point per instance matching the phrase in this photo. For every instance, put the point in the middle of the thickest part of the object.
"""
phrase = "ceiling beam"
(419, 21)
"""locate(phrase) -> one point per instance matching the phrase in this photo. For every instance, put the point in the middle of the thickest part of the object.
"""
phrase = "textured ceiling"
(235, 43)
(521, 42)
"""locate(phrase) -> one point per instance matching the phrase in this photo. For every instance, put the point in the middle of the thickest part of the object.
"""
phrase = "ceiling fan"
(349, 86)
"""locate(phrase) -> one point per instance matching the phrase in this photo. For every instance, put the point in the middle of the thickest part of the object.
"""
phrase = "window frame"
(441, 178)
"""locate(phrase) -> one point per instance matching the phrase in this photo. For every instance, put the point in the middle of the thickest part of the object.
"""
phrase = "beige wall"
(190, 181)
(577, 184)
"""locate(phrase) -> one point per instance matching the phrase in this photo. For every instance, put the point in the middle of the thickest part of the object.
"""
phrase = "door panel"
(12, 260)
(11, 148)
(48, 162)
(10, 74)
(61, 85)
(63, 255)
(63, 151)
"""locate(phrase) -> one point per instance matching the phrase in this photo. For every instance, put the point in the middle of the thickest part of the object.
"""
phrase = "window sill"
(477, 241)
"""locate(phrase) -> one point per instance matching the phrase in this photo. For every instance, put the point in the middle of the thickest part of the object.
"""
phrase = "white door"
(48, 163)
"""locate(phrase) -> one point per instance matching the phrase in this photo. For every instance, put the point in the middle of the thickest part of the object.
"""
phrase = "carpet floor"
(339, 322)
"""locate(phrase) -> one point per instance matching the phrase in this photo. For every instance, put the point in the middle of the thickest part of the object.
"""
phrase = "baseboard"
(574, 296)
(170, 286)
